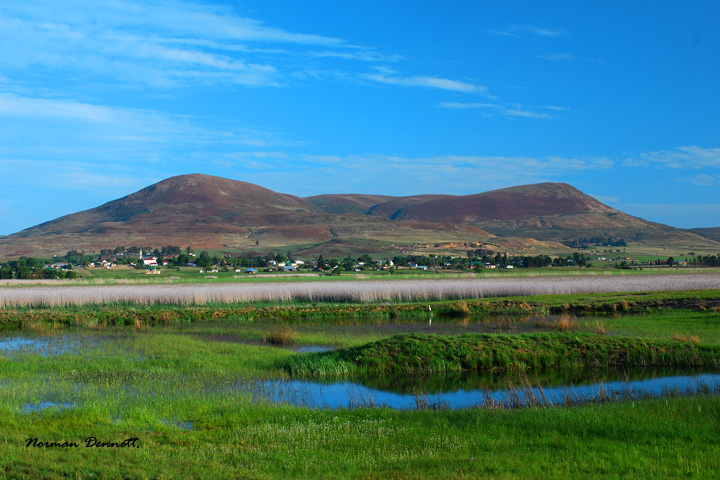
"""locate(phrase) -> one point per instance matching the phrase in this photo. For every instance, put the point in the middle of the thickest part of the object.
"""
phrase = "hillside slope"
(208, 212)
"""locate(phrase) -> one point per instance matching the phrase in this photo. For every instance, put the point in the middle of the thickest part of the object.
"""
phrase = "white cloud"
(507, 110)
(167, 44)
(67, 130)
(693, 157)
(518, 31)
(389, 77)
(704, 180)
(559, 57)
(398, 175)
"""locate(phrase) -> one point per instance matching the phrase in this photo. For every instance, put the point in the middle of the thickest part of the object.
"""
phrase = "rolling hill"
(208, 212)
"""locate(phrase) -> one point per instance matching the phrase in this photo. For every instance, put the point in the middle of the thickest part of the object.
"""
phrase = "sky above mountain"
(99, 99)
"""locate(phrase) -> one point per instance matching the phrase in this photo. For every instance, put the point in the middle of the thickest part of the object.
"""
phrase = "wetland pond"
(447, 390)
(477, 390)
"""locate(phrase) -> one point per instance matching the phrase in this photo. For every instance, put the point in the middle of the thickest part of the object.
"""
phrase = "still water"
(444, 391)
(449, 390)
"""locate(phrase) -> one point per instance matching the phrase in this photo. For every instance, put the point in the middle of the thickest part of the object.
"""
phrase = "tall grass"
(281, 335)
(428, 353)
(563, 322)
(341, 291)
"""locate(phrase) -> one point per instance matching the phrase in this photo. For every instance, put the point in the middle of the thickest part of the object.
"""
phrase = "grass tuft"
(686, 338)
(281, 336)
(562, 323)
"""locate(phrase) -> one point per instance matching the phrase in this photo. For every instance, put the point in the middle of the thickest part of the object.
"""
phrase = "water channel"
(449, 390)
(475, 390)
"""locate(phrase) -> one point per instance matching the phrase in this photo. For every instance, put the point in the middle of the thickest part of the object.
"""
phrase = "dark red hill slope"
(217, 213)
(544, 199)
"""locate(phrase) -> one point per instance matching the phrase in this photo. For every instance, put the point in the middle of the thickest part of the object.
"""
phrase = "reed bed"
(366, 291)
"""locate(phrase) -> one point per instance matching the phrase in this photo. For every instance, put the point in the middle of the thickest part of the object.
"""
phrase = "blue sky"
(99, 99)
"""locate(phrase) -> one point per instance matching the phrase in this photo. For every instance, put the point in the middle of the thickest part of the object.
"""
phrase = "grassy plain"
(182, 380)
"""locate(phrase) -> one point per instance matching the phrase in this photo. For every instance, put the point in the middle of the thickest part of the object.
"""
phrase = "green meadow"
(161, 391)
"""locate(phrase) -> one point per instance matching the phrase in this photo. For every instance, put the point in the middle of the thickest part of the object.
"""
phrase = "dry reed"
(281, 336)
(564, 323)
(363, 291)
(686, 338)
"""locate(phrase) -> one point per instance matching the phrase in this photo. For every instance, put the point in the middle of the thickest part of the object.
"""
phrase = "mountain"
(545, 211)
(347, 203)
(712, 233)
(208, 212)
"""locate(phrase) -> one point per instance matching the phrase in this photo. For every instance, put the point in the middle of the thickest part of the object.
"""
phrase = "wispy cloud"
(559, 57)
(410, 175)
(71, 130)
(507, 110)
(704, 180)
(518, 31)
(390, 77)
(682, 157)
(168, 44)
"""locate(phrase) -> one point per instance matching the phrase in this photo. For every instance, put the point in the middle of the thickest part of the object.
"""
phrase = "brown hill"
(545, 199)
(208, 212)
(545, 211)
(712, 233)
(195, 209)
(347, 203)
(392, 209)
(182, 202)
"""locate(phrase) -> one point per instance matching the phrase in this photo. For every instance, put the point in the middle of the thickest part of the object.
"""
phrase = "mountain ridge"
(218, 213)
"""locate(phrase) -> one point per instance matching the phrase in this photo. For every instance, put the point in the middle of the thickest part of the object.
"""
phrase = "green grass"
(673, 438)
(188, 398)
(660, 325)
(93, 316)
(422, 353)
(157, 384)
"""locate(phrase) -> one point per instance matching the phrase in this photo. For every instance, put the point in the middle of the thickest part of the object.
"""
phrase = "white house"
(150, 261)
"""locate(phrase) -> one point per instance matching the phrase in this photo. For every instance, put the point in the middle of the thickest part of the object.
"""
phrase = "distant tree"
(22, 272)
(203, 260)
(348, 264)
(365, 259)
(670, 261)
(73, 256)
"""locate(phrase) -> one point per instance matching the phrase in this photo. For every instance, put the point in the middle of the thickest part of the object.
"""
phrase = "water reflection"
(41, 406)
(458, 391)
(47, 345)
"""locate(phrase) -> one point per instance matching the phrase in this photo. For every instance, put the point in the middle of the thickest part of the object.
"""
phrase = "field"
(177, 369)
